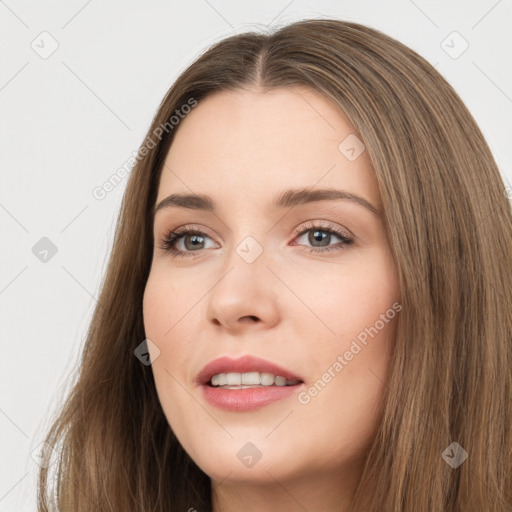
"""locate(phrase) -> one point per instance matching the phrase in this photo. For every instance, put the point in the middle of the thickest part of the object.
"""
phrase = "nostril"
(251, 317)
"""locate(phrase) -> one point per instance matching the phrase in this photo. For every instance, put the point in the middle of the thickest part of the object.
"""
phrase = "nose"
(244, 297)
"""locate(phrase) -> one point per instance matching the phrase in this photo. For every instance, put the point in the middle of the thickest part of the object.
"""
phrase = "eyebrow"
(286, 199)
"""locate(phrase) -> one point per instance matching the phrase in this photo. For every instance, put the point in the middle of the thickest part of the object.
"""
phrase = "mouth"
(246, 383)
(245, 371)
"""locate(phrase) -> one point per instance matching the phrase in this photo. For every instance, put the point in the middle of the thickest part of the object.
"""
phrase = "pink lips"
(249, 398)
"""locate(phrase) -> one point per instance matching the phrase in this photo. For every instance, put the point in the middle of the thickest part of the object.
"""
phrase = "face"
(310, 286)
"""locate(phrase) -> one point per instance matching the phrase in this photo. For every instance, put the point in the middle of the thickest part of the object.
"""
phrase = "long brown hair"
(449, 225)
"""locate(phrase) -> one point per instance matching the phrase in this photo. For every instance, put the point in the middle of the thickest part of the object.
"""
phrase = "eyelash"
(169, 241)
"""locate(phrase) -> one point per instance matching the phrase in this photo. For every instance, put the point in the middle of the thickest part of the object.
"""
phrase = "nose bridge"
(244, 288)
(250, 240)
(247, 257)
(250, 250)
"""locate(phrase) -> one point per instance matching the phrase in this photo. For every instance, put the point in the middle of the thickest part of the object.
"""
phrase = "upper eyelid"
(303, 226)
(316, 224)
(185, 230)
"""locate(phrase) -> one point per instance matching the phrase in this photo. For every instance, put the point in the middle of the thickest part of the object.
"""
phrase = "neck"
(327, 492)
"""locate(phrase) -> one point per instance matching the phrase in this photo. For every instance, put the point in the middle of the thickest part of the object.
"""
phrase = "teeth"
(280, 381)
(250, 379)
(266, 379)
(234, 379)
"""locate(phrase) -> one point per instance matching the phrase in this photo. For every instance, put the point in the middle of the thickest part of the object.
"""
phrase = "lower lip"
(248, 399)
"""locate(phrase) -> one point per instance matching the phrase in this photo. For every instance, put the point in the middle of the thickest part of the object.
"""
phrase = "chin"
(250, 458)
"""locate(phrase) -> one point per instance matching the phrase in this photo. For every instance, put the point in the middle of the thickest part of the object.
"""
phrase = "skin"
(298, 309)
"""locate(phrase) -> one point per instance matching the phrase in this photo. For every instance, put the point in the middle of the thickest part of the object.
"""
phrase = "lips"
(240, 398)
(242, 365)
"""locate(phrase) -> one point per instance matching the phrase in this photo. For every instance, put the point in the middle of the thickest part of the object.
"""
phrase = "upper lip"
(242, 365)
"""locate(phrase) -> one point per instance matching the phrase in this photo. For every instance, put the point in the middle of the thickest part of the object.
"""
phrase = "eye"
(194, 240)
(322, 235)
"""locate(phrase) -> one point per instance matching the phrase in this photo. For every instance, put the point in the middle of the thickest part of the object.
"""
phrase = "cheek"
(166, 304)
(342, 301)
(170, 308)
(349, 332)
(161, 313)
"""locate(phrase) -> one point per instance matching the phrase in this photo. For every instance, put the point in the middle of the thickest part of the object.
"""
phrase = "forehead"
(253, 144)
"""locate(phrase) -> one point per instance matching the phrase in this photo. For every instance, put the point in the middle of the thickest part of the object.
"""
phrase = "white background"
(69, 121)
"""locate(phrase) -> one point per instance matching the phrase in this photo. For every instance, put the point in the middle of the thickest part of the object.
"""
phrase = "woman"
(342, 340)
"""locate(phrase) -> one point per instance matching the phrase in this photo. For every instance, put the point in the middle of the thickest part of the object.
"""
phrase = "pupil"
(323, 237)
(195, 240)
